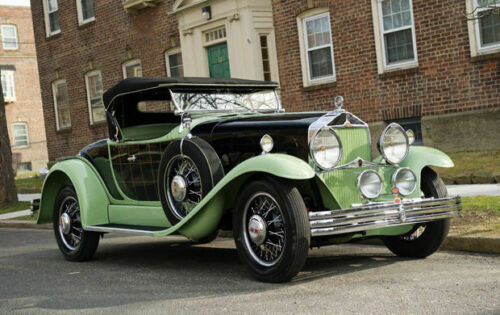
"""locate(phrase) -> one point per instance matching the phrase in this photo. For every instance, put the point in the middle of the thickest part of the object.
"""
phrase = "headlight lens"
(266, 143)
(405, 180)
(370, 184)
(393, 144)
(326, 149)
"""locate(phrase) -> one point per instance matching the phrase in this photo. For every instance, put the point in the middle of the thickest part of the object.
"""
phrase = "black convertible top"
(132, 85)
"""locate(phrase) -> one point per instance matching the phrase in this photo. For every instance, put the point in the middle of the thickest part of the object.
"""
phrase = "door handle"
(131, 158)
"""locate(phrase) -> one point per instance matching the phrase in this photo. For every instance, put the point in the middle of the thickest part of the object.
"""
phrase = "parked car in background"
(192, 156)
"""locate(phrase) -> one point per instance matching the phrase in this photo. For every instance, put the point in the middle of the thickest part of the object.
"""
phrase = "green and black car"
(192, 156)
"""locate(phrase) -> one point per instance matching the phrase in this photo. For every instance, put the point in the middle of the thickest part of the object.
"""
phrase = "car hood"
(258, 123)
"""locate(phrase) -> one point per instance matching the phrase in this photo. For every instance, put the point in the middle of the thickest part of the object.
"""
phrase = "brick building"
(422, 63)
(21, 89)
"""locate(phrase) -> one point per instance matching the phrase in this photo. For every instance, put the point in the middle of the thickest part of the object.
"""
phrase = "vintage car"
(193, 156)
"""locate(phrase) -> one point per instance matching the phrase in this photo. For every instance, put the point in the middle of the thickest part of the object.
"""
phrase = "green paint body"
(337, 188)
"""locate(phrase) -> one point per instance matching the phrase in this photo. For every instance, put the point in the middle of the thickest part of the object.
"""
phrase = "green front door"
(218, 61)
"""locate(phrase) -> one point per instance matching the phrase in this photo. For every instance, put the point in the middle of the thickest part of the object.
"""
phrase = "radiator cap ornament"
(339, 102)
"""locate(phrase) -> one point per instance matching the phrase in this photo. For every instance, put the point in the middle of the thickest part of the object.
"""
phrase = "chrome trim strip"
(382, 214)
(95, 228)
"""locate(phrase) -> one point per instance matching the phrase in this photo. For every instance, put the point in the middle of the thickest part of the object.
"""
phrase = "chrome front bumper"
(382, 214)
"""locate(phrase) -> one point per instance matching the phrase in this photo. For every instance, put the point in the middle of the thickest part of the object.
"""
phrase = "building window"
(94, 96)
(9, 37)
(395, 34)
(264, 50)
(85, 10)
(486, 20)
(24, 167)
(61, 104)
(316, 47)
(174, 64)
(20, 134)
(51, 17)
(132, 69)
(215, 35)
(8, 88)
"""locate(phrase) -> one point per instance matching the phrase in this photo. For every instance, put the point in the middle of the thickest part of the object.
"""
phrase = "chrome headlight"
(326, 149)
(370, 184)
(405, 180)
(266, 143)
(393, 144)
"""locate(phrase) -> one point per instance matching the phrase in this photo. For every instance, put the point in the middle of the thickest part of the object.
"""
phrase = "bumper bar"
(382, 214)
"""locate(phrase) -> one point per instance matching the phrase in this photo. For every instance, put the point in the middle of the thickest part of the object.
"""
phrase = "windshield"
(223, 101)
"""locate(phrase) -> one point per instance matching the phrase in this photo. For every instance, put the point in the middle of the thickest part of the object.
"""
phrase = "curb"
(473, 244)
(476, 244)
(22, 224)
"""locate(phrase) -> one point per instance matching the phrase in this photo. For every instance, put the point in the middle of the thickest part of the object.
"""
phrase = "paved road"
(474, 190)
(133, 274)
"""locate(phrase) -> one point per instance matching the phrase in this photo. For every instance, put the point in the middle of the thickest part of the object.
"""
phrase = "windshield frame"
(179, 111)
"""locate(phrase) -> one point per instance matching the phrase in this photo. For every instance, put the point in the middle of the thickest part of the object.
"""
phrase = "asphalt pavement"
(132, 274)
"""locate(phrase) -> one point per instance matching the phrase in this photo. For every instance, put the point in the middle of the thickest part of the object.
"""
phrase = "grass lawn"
(21, 205)
(480, 215)
(476, 166)
(29, 185)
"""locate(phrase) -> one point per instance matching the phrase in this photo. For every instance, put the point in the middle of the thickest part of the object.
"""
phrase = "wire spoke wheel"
(183, 186)
(70, 225)
(264, 230)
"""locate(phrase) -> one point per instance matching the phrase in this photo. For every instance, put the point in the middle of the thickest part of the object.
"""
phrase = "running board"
(121, 228)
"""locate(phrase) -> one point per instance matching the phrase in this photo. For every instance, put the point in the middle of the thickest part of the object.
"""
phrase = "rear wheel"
(75, 243)
(426, 238)
(271, 230)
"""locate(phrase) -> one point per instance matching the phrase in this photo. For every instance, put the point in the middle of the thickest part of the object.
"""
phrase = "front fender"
(90, 189)
(420, 157)
(205, 217)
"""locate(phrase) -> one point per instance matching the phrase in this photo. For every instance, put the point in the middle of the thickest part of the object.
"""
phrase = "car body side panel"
(93, 196)
(138, 215)
(204, 218)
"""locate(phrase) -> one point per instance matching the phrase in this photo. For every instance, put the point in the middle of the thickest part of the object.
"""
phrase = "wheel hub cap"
(257, 229)
(178, 188)
(65, 223)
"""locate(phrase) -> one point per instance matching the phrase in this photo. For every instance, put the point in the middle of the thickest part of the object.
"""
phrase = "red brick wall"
(105, 43)
(28, 105)
(447, 80)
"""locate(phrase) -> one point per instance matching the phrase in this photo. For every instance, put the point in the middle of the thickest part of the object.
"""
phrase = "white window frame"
(54, 93)
(477, 49)
(129, 63)
(89, 103)
(378, 27)
(47, 20)
(168, 53)
(14, 135)
(10, 78)
(81, 21)
(4, 26)
(304, 58)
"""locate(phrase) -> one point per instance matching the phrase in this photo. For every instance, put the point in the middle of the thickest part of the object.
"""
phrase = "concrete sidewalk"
(16, 214)
(474, 190)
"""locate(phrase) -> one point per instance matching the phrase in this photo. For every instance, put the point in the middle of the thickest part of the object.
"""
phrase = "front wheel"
(271, 230)
(75, 243)
(426, 238)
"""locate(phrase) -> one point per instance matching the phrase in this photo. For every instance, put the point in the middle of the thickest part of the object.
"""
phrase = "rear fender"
(92, 193)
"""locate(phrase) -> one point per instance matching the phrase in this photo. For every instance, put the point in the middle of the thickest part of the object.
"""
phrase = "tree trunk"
(8, 193)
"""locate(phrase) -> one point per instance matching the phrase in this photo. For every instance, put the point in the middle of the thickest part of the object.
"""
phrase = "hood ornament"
(339, 102)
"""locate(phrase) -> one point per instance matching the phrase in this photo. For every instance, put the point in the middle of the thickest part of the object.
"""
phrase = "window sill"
(20, 147)
(11, 49)
(53, 35)
(97, 124)
(9, 100)
(84, 24)
(399, 71)
(486, 54)
(64, 130)
(311, 86)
